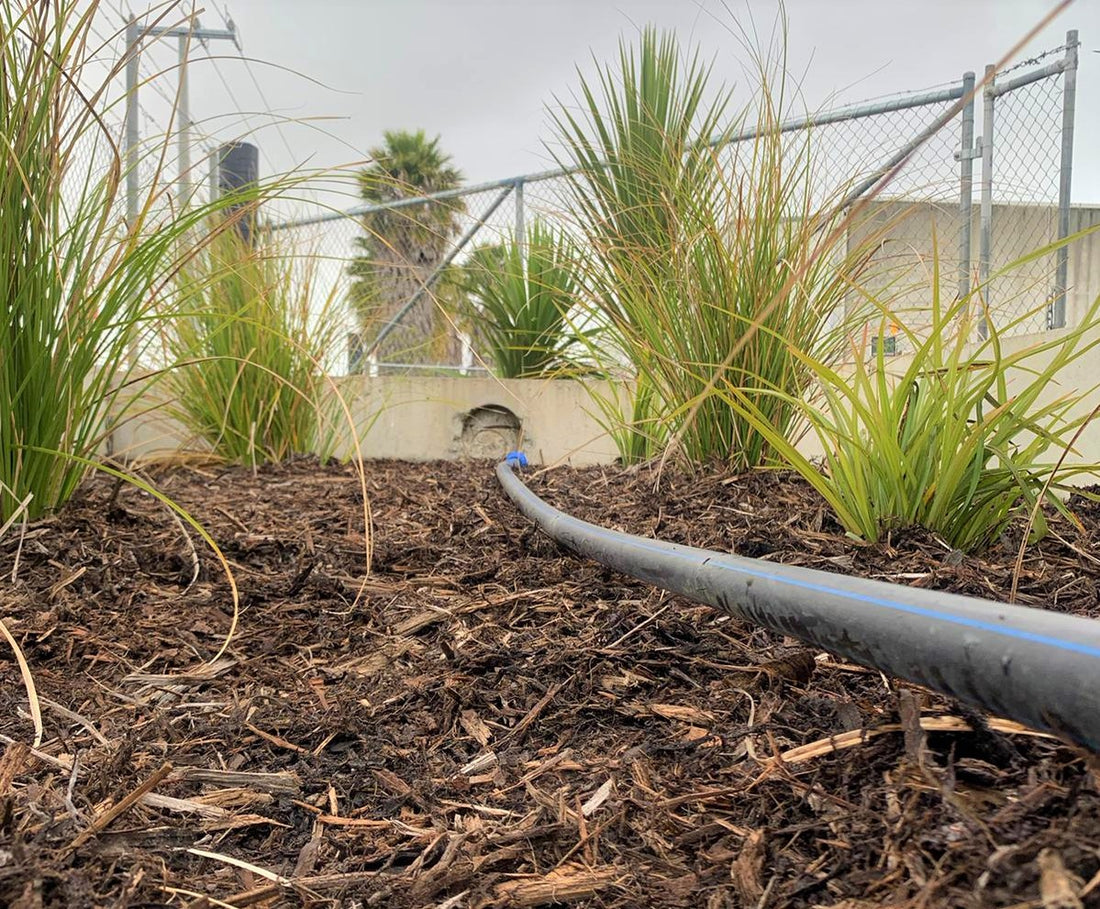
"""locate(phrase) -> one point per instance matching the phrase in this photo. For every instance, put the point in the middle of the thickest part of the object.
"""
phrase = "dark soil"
(488, 721)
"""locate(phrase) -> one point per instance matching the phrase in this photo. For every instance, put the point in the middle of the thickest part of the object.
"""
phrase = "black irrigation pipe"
(1038, 667)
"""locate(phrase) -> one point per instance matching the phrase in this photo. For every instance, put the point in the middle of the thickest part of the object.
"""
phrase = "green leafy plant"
(691, 244)
(247, 352)
(521, 299)
(76, 278)
(953, 437)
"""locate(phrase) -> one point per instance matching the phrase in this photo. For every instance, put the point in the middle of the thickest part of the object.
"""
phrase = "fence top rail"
(837, 115)
(997, 89)
(952, 92)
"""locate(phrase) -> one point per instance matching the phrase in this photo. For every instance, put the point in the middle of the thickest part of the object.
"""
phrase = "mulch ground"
(486, 720)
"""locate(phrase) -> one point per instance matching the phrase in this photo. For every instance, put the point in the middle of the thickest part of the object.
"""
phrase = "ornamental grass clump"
(520, 297)
(76, 276)
(247, 336)
(959, 437)
(691, 245)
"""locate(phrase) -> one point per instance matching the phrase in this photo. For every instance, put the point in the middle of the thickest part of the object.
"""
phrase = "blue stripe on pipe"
(1086, 649)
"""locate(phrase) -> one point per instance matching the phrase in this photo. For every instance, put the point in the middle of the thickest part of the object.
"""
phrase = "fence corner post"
(986, 245)
(1056, 315)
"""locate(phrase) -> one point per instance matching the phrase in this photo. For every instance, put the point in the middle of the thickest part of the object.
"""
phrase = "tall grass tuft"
(247, 352)
(691, 243)
(520, 301)
(959, 437)
(76, 280)
(77, 277)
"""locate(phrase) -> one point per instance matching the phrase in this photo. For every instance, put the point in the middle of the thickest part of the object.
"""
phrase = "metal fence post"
(966, 157)
(1056, 315)
(521, 224)
(986, 245)
(133, 35)
(183, 102)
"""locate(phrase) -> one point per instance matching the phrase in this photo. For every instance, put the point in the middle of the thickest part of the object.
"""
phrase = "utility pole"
(130, 149)
(185, 35)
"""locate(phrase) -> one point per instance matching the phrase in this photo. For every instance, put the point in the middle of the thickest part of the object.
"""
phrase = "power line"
(247, 117)
(227, 21)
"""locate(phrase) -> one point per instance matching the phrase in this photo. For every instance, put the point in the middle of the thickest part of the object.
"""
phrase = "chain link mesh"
(1026, 166)
(921, 203)
(1025, 185)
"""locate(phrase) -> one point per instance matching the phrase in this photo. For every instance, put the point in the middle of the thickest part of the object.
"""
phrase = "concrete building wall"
(903, 236)
(1080, 376)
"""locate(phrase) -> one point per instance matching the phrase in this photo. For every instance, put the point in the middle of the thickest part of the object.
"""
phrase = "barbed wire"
(1034, 61)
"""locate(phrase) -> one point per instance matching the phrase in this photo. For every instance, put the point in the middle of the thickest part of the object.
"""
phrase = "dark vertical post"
(238, 172)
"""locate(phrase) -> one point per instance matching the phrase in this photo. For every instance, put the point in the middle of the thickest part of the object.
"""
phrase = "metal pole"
(985, 250)
(184, 133)
(966, 185)
(521, 226)
(133, 34)
(193, 31)
(132, 138)
(1057, 314)
(854, 112)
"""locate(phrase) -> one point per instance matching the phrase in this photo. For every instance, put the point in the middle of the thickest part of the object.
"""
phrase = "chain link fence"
(1025, 121)
(983, 180)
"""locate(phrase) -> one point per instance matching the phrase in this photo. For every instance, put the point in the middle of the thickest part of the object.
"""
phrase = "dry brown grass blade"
(28, 683)
(20, 659)
(265, 873)
(855, 737)
(203, 899)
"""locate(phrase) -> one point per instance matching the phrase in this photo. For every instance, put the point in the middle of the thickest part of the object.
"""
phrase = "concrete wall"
(451, 417)
(554, 421)
(421, 418)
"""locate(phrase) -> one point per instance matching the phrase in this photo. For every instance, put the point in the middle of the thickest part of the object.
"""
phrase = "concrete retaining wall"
(423, 418)
(416, 419)
(554, 422)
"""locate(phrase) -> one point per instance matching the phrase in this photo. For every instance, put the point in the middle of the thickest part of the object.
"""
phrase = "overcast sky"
(481, 72)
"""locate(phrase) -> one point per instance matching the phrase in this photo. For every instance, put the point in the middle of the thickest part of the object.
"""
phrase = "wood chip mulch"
(487, 721)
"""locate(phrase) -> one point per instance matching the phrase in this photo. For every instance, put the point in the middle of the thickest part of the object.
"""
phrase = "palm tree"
(402, 247)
